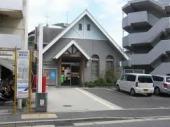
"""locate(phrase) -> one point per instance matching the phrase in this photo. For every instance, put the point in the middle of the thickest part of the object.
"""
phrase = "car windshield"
(168, 79)
(145, 79)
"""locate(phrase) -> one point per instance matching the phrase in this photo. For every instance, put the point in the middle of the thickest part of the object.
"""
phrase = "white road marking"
(38, 116)
(40, 126)
(159, 108)
(100, 100)
(4, 112)
(120, 121)
(109, 89)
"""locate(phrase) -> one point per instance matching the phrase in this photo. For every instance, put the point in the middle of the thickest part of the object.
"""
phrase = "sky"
(107, 12)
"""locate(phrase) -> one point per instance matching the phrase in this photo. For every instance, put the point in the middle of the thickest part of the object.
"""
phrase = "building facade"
(78, 52)
(13, 32)
(13, 24)
(147, 44)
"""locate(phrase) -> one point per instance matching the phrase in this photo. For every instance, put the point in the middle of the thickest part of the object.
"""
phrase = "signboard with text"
(51, 76)
(22, 73)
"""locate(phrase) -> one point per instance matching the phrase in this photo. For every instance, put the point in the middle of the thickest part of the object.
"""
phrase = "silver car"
(161, 84)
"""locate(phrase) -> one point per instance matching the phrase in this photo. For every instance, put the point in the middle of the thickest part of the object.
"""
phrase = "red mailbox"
(44, 84)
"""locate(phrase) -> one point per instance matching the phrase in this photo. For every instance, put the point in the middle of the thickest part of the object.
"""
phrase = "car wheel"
(132, 92)
(117, 87)
(157, 91)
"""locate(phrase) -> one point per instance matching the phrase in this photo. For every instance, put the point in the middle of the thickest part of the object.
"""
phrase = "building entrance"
(70, 72)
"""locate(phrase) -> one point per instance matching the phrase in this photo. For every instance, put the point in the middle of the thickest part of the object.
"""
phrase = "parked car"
(161, 84)
(135, 83)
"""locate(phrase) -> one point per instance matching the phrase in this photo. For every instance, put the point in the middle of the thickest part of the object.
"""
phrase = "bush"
(110, 77)
(89, 84)
(100, 82)
(108, 81)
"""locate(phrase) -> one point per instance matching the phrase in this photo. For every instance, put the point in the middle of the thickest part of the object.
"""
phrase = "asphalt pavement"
(96, 104)
(127, 123)
(126, 101)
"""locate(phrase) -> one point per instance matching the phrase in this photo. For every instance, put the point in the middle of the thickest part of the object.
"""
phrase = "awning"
(7, 63)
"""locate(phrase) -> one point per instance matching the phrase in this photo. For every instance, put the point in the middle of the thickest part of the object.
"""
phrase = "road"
(133, 123)
(101, 104)
(125, 101)
(150, 122)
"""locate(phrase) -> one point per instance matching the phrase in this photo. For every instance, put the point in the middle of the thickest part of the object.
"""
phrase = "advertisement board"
(22, 73)
(51, 76)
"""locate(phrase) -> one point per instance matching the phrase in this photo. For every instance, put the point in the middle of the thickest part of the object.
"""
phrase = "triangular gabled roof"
(68, 46)
(85, 13)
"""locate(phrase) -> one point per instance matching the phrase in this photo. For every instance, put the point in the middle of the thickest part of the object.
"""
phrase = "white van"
(136, 84)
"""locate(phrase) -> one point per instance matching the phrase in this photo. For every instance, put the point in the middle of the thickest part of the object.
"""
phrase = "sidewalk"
(76, 100)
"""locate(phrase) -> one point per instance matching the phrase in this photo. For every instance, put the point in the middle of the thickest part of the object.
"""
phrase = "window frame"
(131, 79)
(109, 58)
(168, 79)
(88, 27)
(80, 27)
(157, 79)
(95, 59)
(144, 79)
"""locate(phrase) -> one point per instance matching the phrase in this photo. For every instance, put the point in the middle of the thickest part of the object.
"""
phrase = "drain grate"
(67, 105)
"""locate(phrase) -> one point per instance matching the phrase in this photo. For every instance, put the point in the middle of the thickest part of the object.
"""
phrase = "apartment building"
(13, 31)
(147, 44)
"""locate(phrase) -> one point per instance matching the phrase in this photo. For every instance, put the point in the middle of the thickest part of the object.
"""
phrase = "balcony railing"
(10, 41)
(12, 8)
(135, 18)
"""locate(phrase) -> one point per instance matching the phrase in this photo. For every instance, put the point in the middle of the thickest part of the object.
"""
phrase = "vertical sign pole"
(15, 79)
(40, 58)
(30, 82)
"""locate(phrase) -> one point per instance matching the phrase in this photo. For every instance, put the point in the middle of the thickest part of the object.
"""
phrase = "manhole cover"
(67, 106)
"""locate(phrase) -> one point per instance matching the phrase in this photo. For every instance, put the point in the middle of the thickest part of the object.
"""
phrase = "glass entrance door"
(70, 74)
(75, 75)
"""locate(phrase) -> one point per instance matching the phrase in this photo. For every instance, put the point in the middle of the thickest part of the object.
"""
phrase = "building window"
(95, 67)
(80, 26)
(31, 40)
(109, 63)
(88, 27)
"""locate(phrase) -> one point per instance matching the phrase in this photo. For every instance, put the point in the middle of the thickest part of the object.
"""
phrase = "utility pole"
(41, 97)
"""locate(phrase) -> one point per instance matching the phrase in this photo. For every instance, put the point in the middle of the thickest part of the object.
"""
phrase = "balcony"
(141, 5)
(136, 19)
(147, 38)
(159, 50)
(12, 8)
(10, 41)
(126, 42)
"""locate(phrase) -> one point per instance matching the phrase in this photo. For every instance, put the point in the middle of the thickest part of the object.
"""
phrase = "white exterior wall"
(13, 24)
(11, 4)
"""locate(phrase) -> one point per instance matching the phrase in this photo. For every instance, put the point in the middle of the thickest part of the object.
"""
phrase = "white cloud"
(61, 6)
(41, 11)
(111, 17)
(111, 6)
(108, 12)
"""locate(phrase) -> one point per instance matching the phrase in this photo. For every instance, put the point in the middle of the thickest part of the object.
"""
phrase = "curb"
(90, 119)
